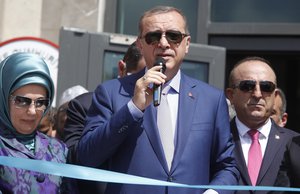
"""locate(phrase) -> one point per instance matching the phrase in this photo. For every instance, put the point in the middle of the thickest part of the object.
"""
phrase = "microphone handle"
(157, 94)
(157, 89)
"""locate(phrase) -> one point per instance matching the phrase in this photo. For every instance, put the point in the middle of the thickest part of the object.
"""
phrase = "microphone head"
(161, 62)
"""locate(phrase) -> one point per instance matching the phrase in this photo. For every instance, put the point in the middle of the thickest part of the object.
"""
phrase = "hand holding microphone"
(157, 89)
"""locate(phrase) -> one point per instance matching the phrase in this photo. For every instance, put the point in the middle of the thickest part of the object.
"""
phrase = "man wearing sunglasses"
(122, 124)
(260, 142)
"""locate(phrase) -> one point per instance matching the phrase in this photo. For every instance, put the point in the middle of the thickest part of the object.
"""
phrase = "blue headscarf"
(17, 70)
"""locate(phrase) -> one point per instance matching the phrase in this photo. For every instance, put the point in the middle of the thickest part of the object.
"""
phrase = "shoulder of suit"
(286, 131)
(195, 83)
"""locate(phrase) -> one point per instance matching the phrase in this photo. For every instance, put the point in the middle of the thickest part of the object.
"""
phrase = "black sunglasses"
(24, 102)
(249, 85)
(172, 36)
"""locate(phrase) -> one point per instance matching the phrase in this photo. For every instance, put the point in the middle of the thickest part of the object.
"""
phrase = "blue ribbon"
(92, 174)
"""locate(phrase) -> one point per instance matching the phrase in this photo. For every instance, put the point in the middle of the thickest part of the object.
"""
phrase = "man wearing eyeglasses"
(259, 141)
(192, 143)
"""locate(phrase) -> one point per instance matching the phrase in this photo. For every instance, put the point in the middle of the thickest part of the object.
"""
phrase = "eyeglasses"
(172, 36)
(249, 85)
(24, 102)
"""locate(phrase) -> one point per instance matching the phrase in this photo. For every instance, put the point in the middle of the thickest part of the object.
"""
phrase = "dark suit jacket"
(289, 173)
(273, 155)
(204, 150)
(74, 125)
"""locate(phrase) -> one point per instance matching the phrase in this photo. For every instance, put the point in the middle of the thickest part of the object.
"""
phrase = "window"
(267, 11)
(130, 11)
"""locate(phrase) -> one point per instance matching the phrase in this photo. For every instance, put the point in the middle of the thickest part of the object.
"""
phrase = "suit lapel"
(151, 129)
(275, 141)
(239, 156)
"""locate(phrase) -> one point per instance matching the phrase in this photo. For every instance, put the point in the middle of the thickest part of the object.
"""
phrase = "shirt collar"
(174, 82)
(243, 129)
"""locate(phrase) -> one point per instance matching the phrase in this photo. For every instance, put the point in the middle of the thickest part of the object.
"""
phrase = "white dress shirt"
(173, 98)
(246, 139)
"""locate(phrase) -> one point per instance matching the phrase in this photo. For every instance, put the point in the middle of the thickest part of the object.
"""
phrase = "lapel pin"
(277, 137)
(191, 95)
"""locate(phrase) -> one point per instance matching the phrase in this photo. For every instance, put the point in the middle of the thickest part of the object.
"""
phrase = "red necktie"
(254, 156)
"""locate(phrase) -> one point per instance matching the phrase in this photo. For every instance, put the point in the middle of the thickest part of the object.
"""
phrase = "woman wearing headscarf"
(26, 93)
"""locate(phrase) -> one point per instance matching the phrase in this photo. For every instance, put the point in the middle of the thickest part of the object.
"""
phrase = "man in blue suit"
(122, 127)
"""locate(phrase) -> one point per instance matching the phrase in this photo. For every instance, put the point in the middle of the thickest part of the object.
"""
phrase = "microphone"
(158, 88)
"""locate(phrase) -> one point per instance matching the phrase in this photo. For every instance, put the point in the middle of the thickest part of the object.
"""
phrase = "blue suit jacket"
(204, 148)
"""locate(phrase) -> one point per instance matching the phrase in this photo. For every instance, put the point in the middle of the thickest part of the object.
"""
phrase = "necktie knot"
(254, 134)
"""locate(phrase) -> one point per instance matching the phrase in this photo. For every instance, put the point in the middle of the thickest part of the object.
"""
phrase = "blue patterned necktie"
(165, 127)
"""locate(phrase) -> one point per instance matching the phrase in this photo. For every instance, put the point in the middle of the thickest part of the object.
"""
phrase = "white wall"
(20, 18)
(44, 18)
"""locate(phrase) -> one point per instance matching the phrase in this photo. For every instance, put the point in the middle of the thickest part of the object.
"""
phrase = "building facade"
(269, 28)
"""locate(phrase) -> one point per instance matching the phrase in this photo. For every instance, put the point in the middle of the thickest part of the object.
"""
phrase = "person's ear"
(284, 119)
(229, 94)
(121, 68)
(188, 41)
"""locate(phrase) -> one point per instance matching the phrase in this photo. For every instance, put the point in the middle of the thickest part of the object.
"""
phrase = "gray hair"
(159, 10)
